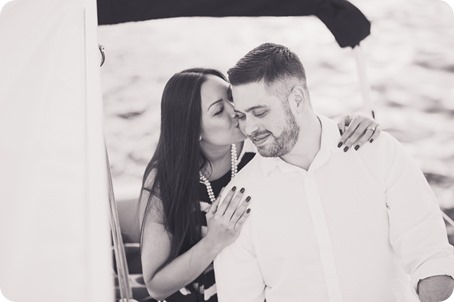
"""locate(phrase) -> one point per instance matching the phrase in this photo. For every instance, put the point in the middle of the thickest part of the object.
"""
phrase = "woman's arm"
(155, 251)
(187, 267)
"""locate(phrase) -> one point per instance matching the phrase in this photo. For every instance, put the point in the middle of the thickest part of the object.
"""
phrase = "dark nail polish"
(242, 190)
(247, 211)
(339, 145)
(371, 140)
(345, 149)
(356, 147)
(248, 198)
(234, 189)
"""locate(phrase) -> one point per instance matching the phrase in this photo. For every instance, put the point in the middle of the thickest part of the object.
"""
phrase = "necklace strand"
(234, 170)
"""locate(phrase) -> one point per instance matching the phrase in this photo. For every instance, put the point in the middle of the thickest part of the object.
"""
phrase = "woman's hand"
(357, 131)
(225, 221)
(435, 288)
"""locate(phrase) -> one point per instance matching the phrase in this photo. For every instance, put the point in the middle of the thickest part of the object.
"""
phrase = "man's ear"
(298, 96)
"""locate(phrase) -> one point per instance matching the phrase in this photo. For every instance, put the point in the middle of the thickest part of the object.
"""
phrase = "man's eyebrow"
(214, 103)
(250, 109)
(255, 107)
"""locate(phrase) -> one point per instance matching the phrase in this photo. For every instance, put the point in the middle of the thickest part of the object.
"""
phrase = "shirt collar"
(330, 137)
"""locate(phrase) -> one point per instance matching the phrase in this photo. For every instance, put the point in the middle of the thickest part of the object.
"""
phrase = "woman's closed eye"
(220, 110)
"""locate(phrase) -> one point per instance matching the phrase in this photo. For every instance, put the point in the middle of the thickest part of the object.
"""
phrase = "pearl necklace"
(234, 170)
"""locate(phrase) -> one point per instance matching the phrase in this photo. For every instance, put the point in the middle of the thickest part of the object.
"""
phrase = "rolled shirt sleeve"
(417, 231)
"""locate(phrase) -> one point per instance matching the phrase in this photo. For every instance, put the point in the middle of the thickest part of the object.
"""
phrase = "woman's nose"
(230, 110)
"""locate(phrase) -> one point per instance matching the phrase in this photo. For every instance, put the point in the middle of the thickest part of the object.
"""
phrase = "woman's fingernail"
(339, 145)
(371, 140)
(234, 189)
(356, 147)
(242, 190)
(248, 198)
(247, 211)
(345, 149)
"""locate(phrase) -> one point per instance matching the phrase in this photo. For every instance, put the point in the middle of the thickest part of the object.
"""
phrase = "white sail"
(54, 227)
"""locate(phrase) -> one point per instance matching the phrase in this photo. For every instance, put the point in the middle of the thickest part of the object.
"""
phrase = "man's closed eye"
(260, 113)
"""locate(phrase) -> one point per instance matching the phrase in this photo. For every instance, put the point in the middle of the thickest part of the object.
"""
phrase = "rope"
(447, 218)
(119, 250)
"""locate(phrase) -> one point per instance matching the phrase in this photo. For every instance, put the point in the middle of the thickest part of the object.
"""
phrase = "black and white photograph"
(227, 151)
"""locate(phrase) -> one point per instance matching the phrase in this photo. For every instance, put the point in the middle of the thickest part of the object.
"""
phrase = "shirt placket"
(323, 239)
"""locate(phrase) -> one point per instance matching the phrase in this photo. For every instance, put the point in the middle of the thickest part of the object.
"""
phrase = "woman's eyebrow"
(214, 103)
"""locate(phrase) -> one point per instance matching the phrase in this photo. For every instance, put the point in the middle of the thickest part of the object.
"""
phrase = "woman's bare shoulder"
(149, 180)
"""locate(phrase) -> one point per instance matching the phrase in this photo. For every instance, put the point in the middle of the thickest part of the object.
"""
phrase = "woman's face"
(219, 127)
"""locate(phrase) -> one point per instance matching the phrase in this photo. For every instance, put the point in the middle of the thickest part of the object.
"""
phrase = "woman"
(182, 227)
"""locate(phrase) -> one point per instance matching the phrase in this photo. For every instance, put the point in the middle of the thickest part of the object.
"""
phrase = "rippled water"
(410, 61)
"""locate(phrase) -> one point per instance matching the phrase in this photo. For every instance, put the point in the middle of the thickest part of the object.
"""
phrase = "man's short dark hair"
(269, 62)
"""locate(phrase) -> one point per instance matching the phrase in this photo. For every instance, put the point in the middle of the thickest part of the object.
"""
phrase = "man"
(325, 225)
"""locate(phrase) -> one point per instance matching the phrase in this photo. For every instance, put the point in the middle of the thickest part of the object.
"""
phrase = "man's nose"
(249, 126)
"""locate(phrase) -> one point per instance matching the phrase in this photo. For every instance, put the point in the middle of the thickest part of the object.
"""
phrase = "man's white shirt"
(356, 226)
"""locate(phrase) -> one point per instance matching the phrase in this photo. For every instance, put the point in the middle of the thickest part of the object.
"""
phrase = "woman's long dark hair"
(178, 160)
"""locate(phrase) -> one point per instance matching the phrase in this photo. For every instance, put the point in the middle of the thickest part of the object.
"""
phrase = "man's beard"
(284, 143)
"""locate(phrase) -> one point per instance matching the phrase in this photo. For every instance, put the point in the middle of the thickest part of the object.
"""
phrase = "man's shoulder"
(385, 157)
(384, 146)
(250, 176)
(251, 169)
